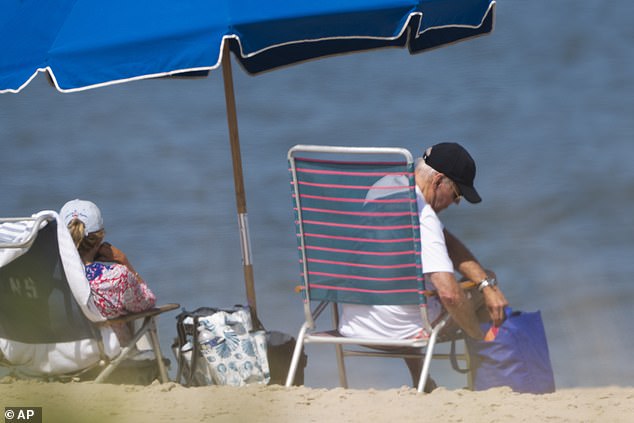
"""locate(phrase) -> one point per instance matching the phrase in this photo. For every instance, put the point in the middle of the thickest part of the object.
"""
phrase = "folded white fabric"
(60, 357)
(18, 232)
(14, 233)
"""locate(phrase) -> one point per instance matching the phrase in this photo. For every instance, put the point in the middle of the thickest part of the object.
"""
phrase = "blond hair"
(84, 243)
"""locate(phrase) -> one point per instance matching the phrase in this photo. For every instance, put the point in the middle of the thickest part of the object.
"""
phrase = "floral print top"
(116, 290)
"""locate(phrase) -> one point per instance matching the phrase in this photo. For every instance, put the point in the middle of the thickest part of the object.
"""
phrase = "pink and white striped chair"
(359, 242)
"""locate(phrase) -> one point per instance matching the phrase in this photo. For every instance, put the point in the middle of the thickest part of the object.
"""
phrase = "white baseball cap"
(86, 211)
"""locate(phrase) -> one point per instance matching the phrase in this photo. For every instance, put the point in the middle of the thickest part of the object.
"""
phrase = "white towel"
(61, 357)
(20, 231)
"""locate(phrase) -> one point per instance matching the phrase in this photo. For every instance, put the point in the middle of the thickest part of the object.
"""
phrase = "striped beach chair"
(359, 242)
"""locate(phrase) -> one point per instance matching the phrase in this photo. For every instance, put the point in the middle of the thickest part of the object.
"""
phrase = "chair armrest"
(155, 311)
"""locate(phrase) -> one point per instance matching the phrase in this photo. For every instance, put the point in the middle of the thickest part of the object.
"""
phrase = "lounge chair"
(49, 327)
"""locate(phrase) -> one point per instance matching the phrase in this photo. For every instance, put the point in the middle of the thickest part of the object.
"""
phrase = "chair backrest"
(36, 303)
(357, 224)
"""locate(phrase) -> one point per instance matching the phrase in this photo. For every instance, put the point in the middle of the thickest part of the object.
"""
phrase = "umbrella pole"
(238, 179)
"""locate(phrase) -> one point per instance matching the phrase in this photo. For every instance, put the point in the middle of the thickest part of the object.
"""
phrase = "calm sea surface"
(545, 105)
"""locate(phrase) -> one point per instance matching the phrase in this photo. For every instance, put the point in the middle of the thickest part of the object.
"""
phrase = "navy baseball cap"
(452, 160)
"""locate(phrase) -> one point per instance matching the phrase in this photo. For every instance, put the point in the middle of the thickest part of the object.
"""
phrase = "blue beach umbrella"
(84, 44)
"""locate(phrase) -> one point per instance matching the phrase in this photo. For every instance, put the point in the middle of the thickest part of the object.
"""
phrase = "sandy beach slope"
(83, 402)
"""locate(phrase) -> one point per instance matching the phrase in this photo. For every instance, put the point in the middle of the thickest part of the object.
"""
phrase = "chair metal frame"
(308, 333)
(147, 327)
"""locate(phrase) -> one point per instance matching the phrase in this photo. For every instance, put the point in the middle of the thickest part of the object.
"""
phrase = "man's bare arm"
(456, 302)
(468, 266)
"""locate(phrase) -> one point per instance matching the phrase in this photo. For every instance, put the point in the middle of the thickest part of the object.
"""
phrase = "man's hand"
(454, 299)
(495, 302)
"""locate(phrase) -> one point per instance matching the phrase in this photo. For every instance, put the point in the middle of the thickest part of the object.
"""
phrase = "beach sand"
(90, 402)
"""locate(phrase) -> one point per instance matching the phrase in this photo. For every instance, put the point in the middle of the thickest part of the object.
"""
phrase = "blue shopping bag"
(518, 357)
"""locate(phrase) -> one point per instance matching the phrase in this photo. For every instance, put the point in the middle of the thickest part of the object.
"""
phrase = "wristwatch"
(487, 282)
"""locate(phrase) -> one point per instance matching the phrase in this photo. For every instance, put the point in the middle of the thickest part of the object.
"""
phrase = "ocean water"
(545, 105)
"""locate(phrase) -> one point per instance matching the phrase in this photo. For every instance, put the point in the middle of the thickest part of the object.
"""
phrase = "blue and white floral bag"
(233, 353)
(225, 350)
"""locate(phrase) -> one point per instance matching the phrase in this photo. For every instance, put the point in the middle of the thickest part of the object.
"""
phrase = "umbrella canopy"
(86, 44)
(83, 44)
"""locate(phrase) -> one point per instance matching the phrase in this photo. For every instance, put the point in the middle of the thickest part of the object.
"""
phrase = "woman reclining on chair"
(116, 287)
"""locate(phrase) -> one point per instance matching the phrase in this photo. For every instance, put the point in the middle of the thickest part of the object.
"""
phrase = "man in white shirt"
(444, 175)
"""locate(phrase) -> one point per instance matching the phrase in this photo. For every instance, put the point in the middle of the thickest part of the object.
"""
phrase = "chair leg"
(429, 352)
(341, 366)
(299, 346)
(156, 346)
(125, 351)
(114, 363)
(424, 374)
